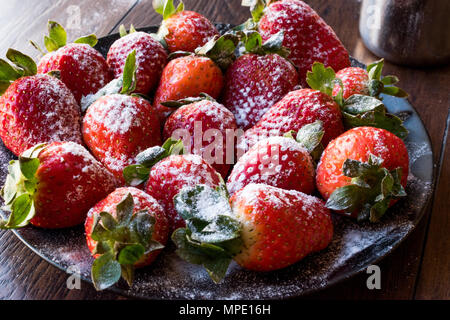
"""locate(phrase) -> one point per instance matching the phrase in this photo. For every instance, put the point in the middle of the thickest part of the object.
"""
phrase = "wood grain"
(418, 268)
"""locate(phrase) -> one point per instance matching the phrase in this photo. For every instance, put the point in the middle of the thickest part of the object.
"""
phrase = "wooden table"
(418, 269)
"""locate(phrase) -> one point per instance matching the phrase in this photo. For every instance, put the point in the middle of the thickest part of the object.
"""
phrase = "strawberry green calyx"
(212, 236)
(385, 85)
(371, 191)
(358, 110)
(19, 189)
(123, 31)
(20, 65)
(138, 173)
(310, 137)
(125, 84)
(166, 8)
(57, 38)
(182, 102)
(252, 43)
(121, 243)
(256, 8)
(221, 50)
(362, 111)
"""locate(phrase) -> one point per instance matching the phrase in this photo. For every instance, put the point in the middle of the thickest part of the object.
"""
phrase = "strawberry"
(82, 68)
(258, 79)
(124, 231)
(204, 125)
(116, 128)
(295, 110)
(367, 82)
(183, 30)
(119, 126)
(166, 171)
(362, 172)
(151, 57)
(265, 228)
(282, 162)
(306, 34)
(359, 109)
(34, 108)
(53, 186)
(193, 74)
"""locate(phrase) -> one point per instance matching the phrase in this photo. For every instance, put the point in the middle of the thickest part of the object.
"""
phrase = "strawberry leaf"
(23, 62)
(106, 271)
(256, 8)
(361, 111)
(57, 35)
(115, 86)
(370, 192)
(137, 174)
(310, 136)
(129, 74)
(375, 69)
(212, 234)
(90, 40)
(182, 102)
(19, 188)
(321, 78)
(131, 254)
(221, 50)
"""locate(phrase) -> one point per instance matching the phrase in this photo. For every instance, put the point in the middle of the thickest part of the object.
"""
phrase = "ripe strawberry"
(295, 110)
(166, 170)
(183, 30)
(256, 82)
(187, 77)
(116, 128)
(282, 162)
(367, 82)
(204, 125)
(53, 186)
(264, 229)
(151, 57)
(124, 231)
(82, 68)
(362, 171)
(35, 108)
(306, 34)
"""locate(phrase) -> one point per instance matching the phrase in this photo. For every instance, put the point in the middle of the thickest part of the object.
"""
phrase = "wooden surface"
(418, 269)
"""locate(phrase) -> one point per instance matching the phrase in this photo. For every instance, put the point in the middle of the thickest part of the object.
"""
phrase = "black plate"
(354, 247)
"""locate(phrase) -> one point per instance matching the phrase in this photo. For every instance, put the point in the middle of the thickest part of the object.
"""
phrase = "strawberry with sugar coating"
(151, 57)
(264, 229)
(36, 108)
(53, 186)
(363, 172)
(183, 30)
(207, 124)
(306, 34)
(82, 68)
(124, 231)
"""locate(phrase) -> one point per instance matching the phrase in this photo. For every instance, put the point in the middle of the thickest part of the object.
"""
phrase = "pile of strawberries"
(138, 146)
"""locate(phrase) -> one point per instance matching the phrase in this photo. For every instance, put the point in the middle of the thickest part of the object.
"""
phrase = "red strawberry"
(127, 229)
(281, 162)
(82, 68)
(295, 110)
(36, 109)
(367, 82)
(357, 165)
(265, 229)
(306, 34)
(183, 30)
(256, 82)
(172, 174)
(151, 58)
(204, 125)
(116, 128)
(53, 186)
(187, 77)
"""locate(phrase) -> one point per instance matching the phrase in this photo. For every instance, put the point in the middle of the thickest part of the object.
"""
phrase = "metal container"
(410, 32)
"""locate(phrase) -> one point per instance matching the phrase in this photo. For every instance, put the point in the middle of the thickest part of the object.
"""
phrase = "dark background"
(418, 269)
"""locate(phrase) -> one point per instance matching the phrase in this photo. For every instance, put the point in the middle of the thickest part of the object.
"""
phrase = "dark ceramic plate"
(354, 247)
